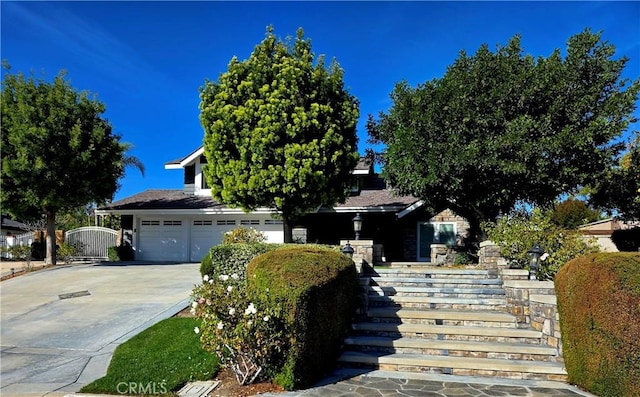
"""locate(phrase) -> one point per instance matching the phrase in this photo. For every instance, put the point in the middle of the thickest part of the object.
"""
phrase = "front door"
(434, 233)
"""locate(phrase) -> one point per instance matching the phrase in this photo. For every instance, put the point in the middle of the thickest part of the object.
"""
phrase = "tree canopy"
(502, 128)
(58, 152)
(280, 130)
(619, 190)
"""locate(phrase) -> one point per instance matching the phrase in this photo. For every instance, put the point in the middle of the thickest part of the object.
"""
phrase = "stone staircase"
(423, 318)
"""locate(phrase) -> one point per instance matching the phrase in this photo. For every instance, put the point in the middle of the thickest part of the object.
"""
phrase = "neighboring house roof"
(9, 224)
(606, 226)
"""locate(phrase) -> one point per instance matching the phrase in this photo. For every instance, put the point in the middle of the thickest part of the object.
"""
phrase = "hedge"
(317, 288)
(234, 258)
(599, 306)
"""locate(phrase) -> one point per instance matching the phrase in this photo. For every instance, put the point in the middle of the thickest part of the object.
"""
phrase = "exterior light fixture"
(357, 225)
(348, 250)
(536, 253)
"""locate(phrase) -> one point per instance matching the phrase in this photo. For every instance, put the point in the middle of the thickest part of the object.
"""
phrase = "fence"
(10, 241)
(92, 242)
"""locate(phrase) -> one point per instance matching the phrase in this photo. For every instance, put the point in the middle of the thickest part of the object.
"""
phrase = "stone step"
(441, 317)
(429, 272)
(519, 369)
(457, 348)
(429, 291)
(426, 265)
(437, 302)
(449, 332)
(433, 282)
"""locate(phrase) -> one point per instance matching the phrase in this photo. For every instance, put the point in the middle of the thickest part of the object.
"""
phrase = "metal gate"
(92, 242)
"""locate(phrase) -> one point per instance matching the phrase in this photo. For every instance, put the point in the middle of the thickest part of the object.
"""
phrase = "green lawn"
(159, 360)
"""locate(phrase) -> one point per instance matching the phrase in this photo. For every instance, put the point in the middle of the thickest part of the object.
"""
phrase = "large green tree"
(58, 152)
(501, 128)
(280, 130)
(619, 190)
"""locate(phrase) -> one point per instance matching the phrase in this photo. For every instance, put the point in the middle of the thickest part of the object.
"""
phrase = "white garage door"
(204, 235)
(162, 240)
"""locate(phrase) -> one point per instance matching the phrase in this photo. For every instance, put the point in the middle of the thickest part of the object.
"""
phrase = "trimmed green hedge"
(599, 306)
(234, 258)
(317, 289)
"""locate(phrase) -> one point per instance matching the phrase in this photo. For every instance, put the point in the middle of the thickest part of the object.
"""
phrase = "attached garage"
(188, 239)
(205, 233)
(162, 240)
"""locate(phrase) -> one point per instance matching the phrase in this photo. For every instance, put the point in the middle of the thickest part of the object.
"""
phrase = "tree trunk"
(51, 238)
(288, 230)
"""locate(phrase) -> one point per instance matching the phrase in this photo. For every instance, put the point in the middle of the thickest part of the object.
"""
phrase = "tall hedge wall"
(317, 288)
(599, 305)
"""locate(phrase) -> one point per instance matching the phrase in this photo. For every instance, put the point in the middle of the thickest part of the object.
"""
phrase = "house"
(602, 230)
(182, 224)
(10, 226)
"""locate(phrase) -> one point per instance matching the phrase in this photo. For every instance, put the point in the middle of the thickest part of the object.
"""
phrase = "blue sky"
(147, 60)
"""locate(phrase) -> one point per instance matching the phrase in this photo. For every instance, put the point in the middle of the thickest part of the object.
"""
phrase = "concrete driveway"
(60, 326)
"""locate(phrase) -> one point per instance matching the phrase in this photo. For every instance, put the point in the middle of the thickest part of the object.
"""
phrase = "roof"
(166, 199)
(376, 200)
(363, 167)
(182, 162)
(9, 224)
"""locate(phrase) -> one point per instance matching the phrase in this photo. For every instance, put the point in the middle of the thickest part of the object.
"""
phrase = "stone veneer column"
(489, 256)
(363, 258)
(362, 253)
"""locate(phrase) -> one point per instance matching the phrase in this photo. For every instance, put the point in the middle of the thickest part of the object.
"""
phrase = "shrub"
(22, 252)
(247, 335)
(66, 252)
(518, 233)
(233, 258)
(226, 259)
(316, 289)
(122, 252)
(626, 240)
(244, 235)
(38, 250)
(599, 307)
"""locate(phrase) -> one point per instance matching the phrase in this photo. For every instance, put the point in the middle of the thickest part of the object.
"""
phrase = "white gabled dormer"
(195, 184)
(192, 165)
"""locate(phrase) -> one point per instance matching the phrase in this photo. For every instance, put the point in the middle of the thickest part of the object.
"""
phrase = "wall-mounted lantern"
(357, 225)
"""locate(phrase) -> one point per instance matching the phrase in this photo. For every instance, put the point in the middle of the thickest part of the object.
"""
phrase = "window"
(203, 181)
(172, 223)
(226, 222)
(150, 223)
(354, 187)
(273, 222)
(202, 223)
(190, 174)
(247, 222)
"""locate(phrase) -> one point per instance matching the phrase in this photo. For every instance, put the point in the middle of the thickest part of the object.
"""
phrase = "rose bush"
(247, 334)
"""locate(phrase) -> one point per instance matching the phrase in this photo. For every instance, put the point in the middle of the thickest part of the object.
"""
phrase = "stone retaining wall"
(533, 303)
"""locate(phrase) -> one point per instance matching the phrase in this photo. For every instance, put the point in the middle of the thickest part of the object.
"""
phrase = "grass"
(159, 360)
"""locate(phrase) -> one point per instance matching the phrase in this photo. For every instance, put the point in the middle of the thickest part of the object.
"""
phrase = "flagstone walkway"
(387, 384)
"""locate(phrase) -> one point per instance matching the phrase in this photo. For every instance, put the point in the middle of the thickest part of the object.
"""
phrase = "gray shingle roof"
(163, 199)
(156, 199)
